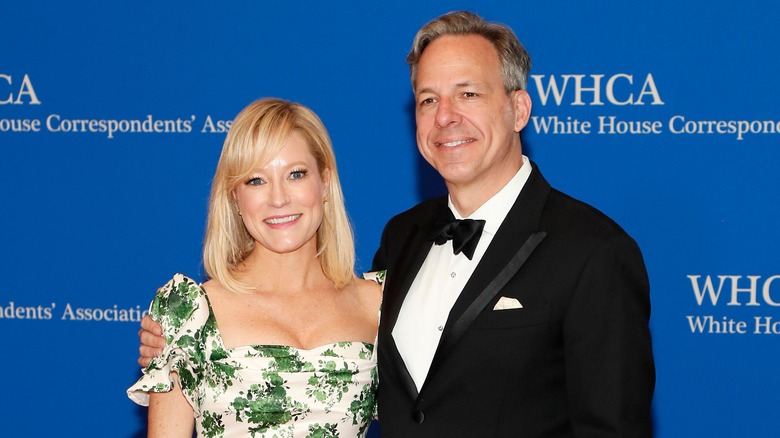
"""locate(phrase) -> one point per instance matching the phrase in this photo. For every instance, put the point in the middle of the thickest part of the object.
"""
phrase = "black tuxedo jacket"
(575, 361)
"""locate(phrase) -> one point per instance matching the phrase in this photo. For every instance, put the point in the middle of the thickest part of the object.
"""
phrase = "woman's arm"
(170, 415)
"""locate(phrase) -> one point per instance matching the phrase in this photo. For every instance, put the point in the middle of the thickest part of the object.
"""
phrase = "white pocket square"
(506, 303)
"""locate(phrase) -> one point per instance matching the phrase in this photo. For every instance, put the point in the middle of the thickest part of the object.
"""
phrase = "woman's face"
(281, 203)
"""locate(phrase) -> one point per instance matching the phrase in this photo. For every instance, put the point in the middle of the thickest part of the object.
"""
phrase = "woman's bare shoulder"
(368, 291)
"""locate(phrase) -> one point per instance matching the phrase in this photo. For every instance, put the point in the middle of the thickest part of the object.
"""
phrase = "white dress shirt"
(442, 277)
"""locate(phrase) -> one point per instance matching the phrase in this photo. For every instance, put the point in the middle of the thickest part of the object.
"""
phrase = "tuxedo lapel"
(460, 324)
(514, 242)
(399, 280)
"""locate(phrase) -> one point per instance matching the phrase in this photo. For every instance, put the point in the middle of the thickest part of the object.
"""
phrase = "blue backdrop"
(663, 115)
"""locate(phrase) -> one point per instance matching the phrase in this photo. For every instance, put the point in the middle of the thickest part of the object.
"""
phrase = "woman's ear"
(326, 183)
(235, 199)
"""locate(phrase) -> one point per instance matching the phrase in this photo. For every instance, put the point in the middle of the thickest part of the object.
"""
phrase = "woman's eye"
(255, 182)
(297, 174)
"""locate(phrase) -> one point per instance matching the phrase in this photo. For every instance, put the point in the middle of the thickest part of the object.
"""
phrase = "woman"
(279, 340)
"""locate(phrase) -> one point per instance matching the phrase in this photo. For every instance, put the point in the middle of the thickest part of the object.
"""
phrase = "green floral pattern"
(261, 390)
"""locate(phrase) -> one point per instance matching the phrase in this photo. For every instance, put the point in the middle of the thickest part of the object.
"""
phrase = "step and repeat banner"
(664, 115)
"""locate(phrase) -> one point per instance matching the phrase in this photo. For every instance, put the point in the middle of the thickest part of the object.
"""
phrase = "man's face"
(467, 124)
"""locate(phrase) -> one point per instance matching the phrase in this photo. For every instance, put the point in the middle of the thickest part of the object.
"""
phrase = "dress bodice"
(259, 390)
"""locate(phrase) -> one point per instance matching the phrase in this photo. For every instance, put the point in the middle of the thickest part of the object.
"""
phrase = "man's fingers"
(154, 342)
(147, 353)
(148, 324)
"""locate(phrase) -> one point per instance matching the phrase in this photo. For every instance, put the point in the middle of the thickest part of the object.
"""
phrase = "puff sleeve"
(182, 310)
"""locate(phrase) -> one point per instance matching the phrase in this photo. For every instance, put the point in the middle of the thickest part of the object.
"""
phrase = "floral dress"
(259, 390)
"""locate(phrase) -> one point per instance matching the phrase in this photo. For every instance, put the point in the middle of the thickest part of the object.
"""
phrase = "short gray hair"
(514, 59)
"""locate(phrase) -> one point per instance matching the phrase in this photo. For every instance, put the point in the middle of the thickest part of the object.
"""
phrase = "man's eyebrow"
(462, 84)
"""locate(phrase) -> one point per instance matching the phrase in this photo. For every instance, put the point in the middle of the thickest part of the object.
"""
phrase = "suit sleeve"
(608, 350)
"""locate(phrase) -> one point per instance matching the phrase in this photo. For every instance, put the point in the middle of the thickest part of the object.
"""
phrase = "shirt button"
(441, 327)
(452, 274)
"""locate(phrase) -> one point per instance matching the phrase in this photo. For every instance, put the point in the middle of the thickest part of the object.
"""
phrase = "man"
(544, 331)
(539, 326)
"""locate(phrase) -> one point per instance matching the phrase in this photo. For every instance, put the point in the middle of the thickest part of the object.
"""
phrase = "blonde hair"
(514, 59)
(256, 136)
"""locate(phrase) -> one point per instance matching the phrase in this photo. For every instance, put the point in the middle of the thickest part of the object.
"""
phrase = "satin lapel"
(388, 353)
(397, 285)
(459, 327)
(512, 245)
(400, 279)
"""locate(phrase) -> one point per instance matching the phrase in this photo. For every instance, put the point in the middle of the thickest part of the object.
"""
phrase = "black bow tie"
(465, 233)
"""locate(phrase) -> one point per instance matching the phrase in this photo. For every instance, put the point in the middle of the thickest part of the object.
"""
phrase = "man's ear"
(521, 103)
